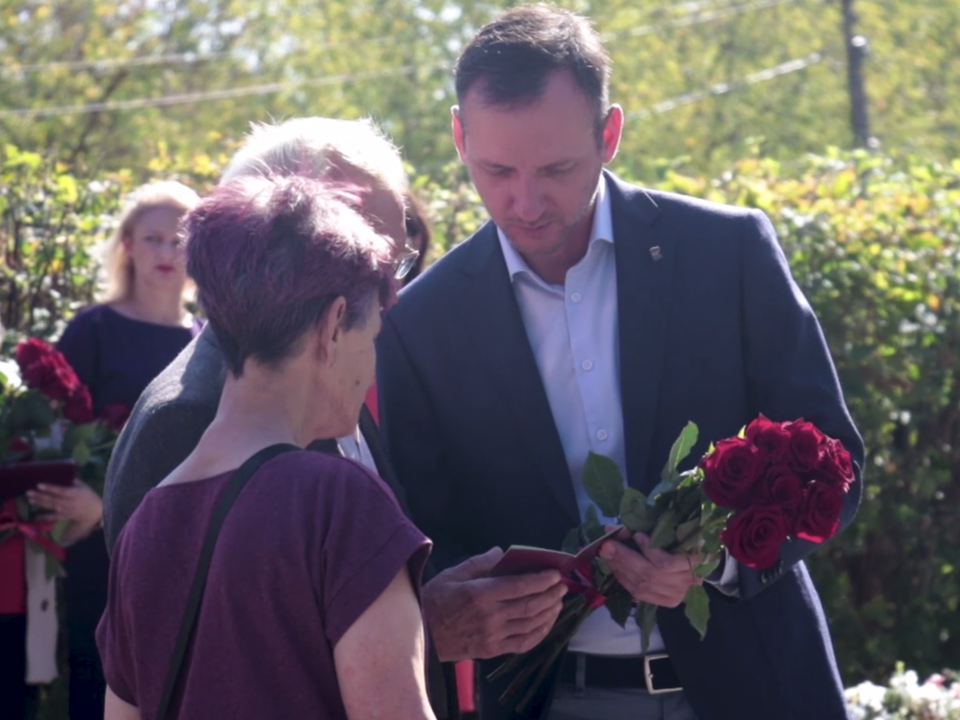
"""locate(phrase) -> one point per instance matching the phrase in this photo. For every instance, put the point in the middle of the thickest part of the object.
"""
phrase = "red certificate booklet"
(16, 479)
(521, 559)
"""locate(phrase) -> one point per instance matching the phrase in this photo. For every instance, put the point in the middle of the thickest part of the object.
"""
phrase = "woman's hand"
(78, 504)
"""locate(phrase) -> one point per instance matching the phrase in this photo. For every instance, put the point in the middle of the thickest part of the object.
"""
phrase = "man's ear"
(459, 134)
(612, 130)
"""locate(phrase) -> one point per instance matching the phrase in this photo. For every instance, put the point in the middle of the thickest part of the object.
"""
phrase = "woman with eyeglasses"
(117, 347)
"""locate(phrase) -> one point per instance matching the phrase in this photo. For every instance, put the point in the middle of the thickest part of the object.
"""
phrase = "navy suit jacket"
(713, 329)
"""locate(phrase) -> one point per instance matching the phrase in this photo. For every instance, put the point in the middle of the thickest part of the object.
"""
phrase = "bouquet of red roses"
(48, 433)
(748, 494)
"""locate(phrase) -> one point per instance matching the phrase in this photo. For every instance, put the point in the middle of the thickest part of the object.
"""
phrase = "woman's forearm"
(116, 709)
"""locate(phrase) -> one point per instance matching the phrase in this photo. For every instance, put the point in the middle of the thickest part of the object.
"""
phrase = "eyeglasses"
(404, 264)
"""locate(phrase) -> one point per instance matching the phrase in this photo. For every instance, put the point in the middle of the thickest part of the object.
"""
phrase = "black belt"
(653, 672)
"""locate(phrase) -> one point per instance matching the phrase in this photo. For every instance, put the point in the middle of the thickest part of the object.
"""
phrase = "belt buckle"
(648, 674)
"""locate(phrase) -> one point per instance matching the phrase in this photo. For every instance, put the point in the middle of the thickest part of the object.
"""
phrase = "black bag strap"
(235, 485)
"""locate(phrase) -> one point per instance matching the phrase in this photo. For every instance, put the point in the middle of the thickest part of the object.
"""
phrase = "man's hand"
(472, 616)
(652, 576)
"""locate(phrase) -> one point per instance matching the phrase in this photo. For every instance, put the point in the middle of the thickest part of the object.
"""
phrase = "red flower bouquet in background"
(47, 434)
(773, 482)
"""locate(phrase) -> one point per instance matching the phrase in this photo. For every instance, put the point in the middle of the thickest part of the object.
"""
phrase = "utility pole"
(856, 51)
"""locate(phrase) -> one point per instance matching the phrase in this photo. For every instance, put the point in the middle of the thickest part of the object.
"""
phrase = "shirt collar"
(600, 231)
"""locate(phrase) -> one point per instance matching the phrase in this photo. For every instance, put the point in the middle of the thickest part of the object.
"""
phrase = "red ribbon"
(34, 532)
(582, 585)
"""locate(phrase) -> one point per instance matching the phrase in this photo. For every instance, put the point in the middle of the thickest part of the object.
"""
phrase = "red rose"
(771, 438)
(806, 443)
(820, 518)
(52, 376)
(78, 408)
(780, 486)
(754, 535)
(31, 350)
(835, 467)
(114, 416)
(731, 471)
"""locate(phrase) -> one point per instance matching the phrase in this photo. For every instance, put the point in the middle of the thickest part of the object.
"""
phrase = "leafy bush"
(50, 221)
(876, 248)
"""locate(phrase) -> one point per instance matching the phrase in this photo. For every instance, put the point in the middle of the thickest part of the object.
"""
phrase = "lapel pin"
(655, 253)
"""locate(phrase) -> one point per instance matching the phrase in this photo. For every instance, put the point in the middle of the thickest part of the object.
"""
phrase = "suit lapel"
(646, 258)
(489, 310)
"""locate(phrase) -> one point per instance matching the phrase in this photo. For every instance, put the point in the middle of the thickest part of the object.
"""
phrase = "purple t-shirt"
(309, 544)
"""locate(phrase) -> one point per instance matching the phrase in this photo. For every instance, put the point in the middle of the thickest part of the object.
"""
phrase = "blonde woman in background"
(117, 347)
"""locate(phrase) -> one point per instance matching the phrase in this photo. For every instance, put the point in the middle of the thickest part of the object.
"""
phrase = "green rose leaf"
(681, 448)
(704, 569)
(571, 543)
(78, 434)
(660, 490)
(59, 528)
(689, 503)
(51, 566)
(634, 513)
(665, 533)
(711, 544)
(697, 608)
(647, 620)
(601, 571)
(620, 605)
(604, 483)
(592, 528)
(32, 411)
(81, 454)
(688, 536)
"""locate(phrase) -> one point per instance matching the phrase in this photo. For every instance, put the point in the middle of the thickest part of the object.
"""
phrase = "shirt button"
(575, 297)
(587, 365)
(602, 435)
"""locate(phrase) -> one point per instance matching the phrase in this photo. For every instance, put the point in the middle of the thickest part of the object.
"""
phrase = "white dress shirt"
(572, 329)
(355, 447)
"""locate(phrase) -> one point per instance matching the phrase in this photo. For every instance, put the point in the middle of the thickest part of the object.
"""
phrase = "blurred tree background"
(110, 85)
(742, 101)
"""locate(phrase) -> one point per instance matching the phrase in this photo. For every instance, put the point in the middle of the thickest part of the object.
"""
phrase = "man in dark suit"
(593, 315)
(467, 614)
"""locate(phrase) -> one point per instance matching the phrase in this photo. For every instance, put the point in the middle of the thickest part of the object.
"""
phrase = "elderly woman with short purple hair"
(311, 603)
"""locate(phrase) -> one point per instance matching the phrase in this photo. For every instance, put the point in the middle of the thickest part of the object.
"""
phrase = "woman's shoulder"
(79, 337)
(89, 315)
(331, 474)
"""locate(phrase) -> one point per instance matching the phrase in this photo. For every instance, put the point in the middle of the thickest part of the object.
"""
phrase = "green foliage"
(50, 222)
(603, 483)
(679, 451)
(875, 246)
(391, 59)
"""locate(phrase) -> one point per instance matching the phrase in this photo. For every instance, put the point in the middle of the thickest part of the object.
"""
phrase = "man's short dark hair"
(510, 60)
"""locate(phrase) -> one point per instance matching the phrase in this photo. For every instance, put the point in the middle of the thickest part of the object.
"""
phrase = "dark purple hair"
(271, 254)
